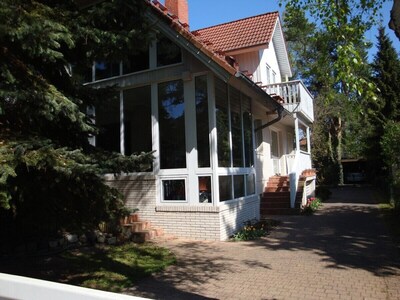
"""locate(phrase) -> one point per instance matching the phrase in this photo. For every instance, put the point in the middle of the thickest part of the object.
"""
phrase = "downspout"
(278, 108)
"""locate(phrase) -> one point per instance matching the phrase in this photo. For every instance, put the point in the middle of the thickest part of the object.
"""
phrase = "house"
(212, 106)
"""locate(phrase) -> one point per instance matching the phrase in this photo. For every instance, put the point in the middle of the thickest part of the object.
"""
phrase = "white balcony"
(294, 95)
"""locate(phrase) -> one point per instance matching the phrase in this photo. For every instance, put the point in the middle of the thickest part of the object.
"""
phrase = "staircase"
(276, 197)
(137, 230)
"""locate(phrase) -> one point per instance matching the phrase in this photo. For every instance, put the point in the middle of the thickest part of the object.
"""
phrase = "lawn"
(109, 268)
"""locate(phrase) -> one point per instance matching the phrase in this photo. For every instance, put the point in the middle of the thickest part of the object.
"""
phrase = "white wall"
(268, 56)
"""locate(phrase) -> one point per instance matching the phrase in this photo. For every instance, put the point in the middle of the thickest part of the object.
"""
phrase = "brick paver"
(342, 252)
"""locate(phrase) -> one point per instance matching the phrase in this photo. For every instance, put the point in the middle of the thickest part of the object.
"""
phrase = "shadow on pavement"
(347, 232)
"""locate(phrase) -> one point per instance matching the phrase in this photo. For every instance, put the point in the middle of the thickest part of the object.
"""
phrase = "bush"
(312, 205)
(254, 229)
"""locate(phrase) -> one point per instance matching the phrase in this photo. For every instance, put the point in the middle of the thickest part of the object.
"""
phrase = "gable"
(245, 33)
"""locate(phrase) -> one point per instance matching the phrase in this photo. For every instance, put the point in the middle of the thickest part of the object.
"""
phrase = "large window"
(203, 141)
(108, 122)
(137, 62)
(224, 151)
(171, 116)
(105, 69)
(247, 131)
(236, 126)
(168, 53)
(137, 120)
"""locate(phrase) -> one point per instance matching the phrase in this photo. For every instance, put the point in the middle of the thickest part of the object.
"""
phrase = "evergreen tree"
(386, 75)
(50, 176)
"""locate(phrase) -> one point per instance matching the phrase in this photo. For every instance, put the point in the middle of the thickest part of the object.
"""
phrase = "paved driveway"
(342, 252)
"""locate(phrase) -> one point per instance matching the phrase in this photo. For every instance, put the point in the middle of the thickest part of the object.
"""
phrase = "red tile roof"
(206, 47)
(244, 33)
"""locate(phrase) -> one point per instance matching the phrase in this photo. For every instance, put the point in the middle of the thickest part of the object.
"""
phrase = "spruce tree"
(50, 176)
(386, 75)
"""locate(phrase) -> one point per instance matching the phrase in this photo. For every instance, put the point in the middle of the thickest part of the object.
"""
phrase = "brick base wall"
(194, 222)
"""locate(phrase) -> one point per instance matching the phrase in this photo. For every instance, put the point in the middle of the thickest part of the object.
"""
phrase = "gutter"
(270, 102)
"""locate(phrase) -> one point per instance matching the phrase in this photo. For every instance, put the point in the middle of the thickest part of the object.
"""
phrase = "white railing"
(21, 288)
(299, 162)
(296, 97)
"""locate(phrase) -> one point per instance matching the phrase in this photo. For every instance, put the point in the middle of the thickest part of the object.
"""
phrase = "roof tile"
(244, 33)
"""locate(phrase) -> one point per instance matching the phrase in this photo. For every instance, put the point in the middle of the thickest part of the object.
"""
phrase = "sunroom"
(199, 125)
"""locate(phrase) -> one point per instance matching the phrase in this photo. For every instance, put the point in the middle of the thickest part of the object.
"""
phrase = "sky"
(205, 13)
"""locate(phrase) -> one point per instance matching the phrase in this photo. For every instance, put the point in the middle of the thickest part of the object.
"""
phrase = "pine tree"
(49, 173)
(386, 75)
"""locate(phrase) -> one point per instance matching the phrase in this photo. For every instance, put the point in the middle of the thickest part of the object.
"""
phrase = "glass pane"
(137, 62)
(250, 184)
(225, 188)
(171, 115)
(174, 190)
(106, 69)
(205, 193)
(224, 152)
(303, 138)
(203, 141)
(108, 121)
(236, 124)
(247, 130)
(168, 53)
(238, 181)
(137, 120)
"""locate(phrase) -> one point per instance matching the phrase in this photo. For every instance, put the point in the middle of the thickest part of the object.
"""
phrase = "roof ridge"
(234, 21)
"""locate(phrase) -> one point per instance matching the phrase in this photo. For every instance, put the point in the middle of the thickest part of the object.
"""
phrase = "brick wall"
(233, 215)
(193, 222)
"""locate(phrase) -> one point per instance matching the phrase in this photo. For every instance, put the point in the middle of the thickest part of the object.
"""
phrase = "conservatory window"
(174, 190)
(137, 120)
(168, 53)
(108, 122)
(224, 151)
(137, 62)
(171, 115)
(203, 141)
(205, 192)
(236, 128)
(225, 188)
(105, 69)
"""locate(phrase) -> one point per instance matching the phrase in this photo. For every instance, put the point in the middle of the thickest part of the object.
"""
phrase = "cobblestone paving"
(342, 252)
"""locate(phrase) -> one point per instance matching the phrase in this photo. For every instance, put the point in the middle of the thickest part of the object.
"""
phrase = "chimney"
(179, 8)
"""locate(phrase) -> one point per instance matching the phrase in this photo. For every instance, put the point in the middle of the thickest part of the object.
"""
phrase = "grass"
(109, 268)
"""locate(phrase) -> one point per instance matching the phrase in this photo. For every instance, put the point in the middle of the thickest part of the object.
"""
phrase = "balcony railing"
(294, 95)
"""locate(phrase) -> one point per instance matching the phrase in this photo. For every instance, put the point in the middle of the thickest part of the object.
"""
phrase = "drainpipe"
(279, 110)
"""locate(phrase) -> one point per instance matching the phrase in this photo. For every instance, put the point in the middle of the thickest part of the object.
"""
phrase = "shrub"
(311, 206)
(254, 229)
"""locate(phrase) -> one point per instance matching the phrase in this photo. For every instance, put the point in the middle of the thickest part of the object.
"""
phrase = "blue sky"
(204, 13)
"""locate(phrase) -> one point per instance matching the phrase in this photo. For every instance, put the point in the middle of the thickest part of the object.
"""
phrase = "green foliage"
(345, 21)
(312, 205)
(49, 172)
(332, 61)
